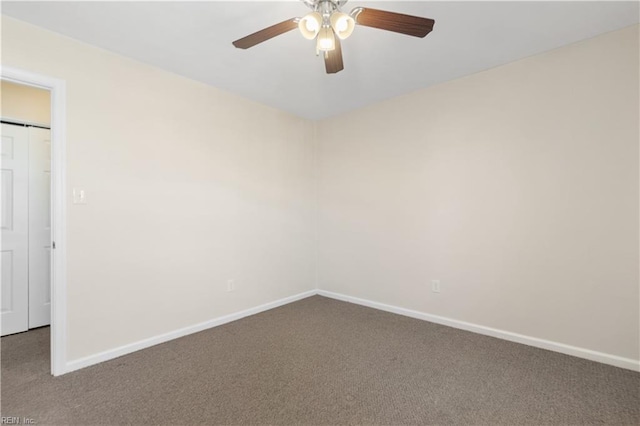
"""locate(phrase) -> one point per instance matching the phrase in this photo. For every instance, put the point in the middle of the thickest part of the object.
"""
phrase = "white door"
(39, 227)
(15, 229)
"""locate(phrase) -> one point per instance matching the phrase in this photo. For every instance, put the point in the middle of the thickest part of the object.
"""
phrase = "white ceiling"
(194, 40)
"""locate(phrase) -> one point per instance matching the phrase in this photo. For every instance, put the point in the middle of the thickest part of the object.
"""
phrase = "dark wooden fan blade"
(333, 59)
(265, 34)
(391, 21)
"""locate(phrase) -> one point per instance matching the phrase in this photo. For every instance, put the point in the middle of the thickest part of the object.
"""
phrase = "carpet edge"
(604, 358)
(128, 348)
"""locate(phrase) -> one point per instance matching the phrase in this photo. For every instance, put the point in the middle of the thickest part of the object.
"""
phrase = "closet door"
(15, 228)
(39, 227)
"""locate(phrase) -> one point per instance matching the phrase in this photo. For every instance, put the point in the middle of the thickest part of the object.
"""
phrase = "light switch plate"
(79, 196)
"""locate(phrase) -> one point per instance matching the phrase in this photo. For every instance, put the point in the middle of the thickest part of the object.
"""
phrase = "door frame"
(58, 283)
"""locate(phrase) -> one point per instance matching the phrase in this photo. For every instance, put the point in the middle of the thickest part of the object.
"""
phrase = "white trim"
(58, 208)
(604, 358)
(475, 328)
(162, 338)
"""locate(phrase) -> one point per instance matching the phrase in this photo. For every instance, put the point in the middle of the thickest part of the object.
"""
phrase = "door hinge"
(53, 245)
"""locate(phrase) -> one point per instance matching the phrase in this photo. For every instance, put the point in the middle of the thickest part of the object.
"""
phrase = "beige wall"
(516, 187)
(25, 103)
(187, 186)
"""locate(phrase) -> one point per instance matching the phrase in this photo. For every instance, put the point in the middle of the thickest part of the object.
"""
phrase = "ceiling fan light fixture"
(310, 25)
(342, 24)
(326, 40)
(328, 25)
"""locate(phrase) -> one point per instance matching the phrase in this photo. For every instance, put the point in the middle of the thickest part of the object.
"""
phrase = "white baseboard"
(152, 341)
(604, 358)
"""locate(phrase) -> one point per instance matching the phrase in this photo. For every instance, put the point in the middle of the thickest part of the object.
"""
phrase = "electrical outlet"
(435, 286)
(231, 285)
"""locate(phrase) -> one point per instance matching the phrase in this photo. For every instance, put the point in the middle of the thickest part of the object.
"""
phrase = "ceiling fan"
(327, 24)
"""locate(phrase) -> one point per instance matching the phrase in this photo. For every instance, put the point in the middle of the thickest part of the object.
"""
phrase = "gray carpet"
(321, 361)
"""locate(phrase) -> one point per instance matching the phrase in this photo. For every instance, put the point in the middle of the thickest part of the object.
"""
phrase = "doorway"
(32, 192)
(26, 220)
